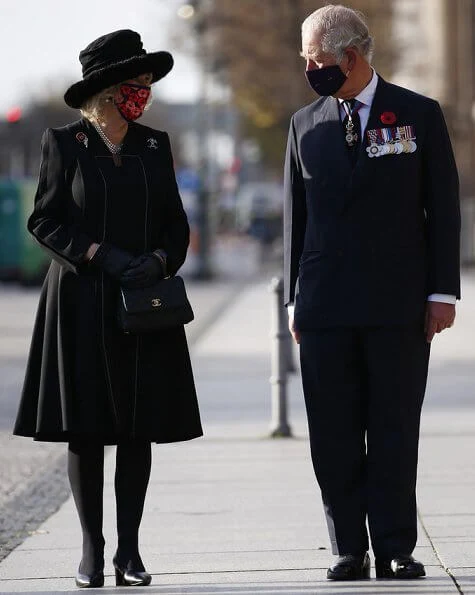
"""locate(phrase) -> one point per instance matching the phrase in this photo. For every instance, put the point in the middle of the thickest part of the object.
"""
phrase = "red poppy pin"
(82, 138)
(388, 118)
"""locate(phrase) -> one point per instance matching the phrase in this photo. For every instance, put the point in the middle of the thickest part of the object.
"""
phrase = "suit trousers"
(364, 389)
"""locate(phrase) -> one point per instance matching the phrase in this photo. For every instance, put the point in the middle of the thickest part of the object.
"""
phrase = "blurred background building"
(229, 141)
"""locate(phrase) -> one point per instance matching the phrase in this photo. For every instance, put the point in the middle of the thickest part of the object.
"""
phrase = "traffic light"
(14, 115)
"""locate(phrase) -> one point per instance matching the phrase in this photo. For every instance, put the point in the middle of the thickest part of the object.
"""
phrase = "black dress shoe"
(350, 568)
(87, 581)
(127, 577)
(400, 567)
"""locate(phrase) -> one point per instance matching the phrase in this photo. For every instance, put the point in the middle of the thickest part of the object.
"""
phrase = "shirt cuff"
(442, 297)
(290, 310)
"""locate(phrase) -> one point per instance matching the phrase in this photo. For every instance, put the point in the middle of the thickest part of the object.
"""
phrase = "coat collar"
(135, 141)
(381, 103)
(366, 96)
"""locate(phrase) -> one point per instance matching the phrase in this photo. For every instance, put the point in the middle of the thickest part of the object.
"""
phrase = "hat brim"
(158, 63)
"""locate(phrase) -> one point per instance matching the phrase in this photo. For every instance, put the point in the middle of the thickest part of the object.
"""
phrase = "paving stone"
(241, 514)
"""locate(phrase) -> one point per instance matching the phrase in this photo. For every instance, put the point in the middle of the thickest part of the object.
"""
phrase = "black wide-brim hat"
(112, 59)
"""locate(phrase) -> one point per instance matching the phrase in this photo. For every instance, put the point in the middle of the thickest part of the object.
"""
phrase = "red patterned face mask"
(134, 100)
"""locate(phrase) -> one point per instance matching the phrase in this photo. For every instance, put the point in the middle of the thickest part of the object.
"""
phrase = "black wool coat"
(84, 377)
(366, 245)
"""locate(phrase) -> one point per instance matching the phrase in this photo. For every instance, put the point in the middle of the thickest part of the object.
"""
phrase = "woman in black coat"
(108, 211)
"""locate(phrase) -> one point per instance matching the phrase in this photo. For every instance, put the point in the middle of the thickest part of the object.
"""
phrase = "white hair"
(92, 109)
(339, 28)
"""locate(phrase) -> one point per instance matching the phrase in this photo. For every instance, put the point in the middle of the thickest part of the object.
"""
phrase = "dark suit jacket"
(366, 246)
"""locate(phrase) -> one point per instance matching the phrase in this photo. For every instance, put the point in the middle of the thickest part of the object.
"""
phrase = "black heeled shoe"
(86, 581)
(125, 577)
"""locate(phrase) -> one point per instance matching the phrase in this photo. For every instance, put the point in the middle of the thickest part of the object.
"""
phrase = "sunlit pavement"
(237, 512)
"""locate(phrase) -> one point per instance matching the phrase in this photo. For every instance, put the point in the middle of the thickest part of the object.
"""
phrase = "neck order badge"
(351, 121)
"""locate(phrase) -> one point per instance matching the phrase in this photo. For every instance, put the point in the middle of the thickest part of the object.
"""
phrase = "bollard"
(289, 347)
(279, 362)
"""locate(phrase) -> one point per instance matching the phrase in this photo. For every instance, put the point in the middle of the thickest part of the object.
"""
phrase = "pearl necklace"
(114, 149)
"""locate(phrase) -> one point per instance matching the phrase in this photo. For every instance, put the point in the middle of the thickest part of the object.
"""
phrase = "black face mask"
(326, 81)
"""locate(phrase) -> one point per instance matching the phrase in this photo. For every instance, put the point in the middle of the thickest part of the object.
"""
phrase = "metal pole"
(279, 426)
(204, 269)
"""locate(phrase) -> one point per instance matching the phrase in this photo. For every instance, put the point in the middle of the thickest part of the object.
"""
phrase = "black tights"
(86, 476)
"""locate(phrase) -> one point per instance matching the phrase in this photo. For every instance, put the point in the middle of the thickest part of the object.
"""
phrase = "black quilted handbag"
(163, 305)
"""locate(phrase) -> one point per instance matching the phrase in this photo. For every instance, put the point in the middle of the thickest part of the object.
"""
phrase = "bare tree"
(254, 46)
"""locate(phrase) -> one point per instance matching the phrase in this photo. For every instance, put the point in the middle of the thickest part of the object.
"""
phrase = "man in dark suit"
(372, 269)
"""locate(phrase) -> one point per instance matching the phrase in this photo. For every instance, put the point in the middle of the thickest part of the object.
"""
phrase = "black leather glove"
(143, 271)
(111, 260)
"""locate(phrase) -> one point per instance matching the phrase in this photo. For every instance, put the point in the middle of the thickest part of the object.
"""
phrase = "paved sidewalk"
(237, 513)
(33, 484)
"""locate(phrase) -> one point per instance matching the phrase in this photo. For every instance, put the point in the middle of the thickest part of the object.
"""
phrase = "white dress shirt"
(365, 97)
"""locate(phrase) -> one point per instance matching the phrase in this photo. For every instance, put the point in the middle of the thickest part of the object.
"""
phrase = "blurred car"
(259, 210)
(21, 257)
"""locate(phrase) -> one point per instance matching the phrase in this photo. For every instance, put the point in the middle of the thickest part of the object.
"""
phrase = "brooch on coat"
(391, 141)
(82, 138)
(152, 143)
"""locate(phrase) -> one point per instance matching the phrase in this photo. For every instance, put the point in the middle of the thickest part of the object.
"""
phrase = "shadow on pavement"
(428, 586)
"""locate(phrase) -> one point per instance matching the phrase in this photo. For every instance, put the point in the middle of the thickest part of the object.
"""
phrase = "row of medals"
(391, 141)
(391, 147)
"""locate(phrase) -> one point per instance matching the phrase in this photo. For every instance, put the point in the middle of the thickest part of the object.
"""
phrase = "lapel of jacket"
(381, 103)
(85, 145)
(147, 145)
(328, 123)
(95, 145)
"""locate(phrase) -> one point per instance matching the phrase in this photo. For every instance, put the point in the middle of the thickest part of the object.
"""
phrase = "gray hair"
(340, 27)
(92, 109)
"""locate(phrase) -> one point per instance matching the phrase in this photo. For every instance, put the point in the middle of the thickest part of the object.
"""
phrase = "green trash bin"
(10, 233)
(34, 261)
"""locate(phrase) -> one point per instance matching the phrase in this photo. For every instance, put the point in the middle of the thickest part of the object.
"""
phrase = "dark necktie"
(352, 128)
